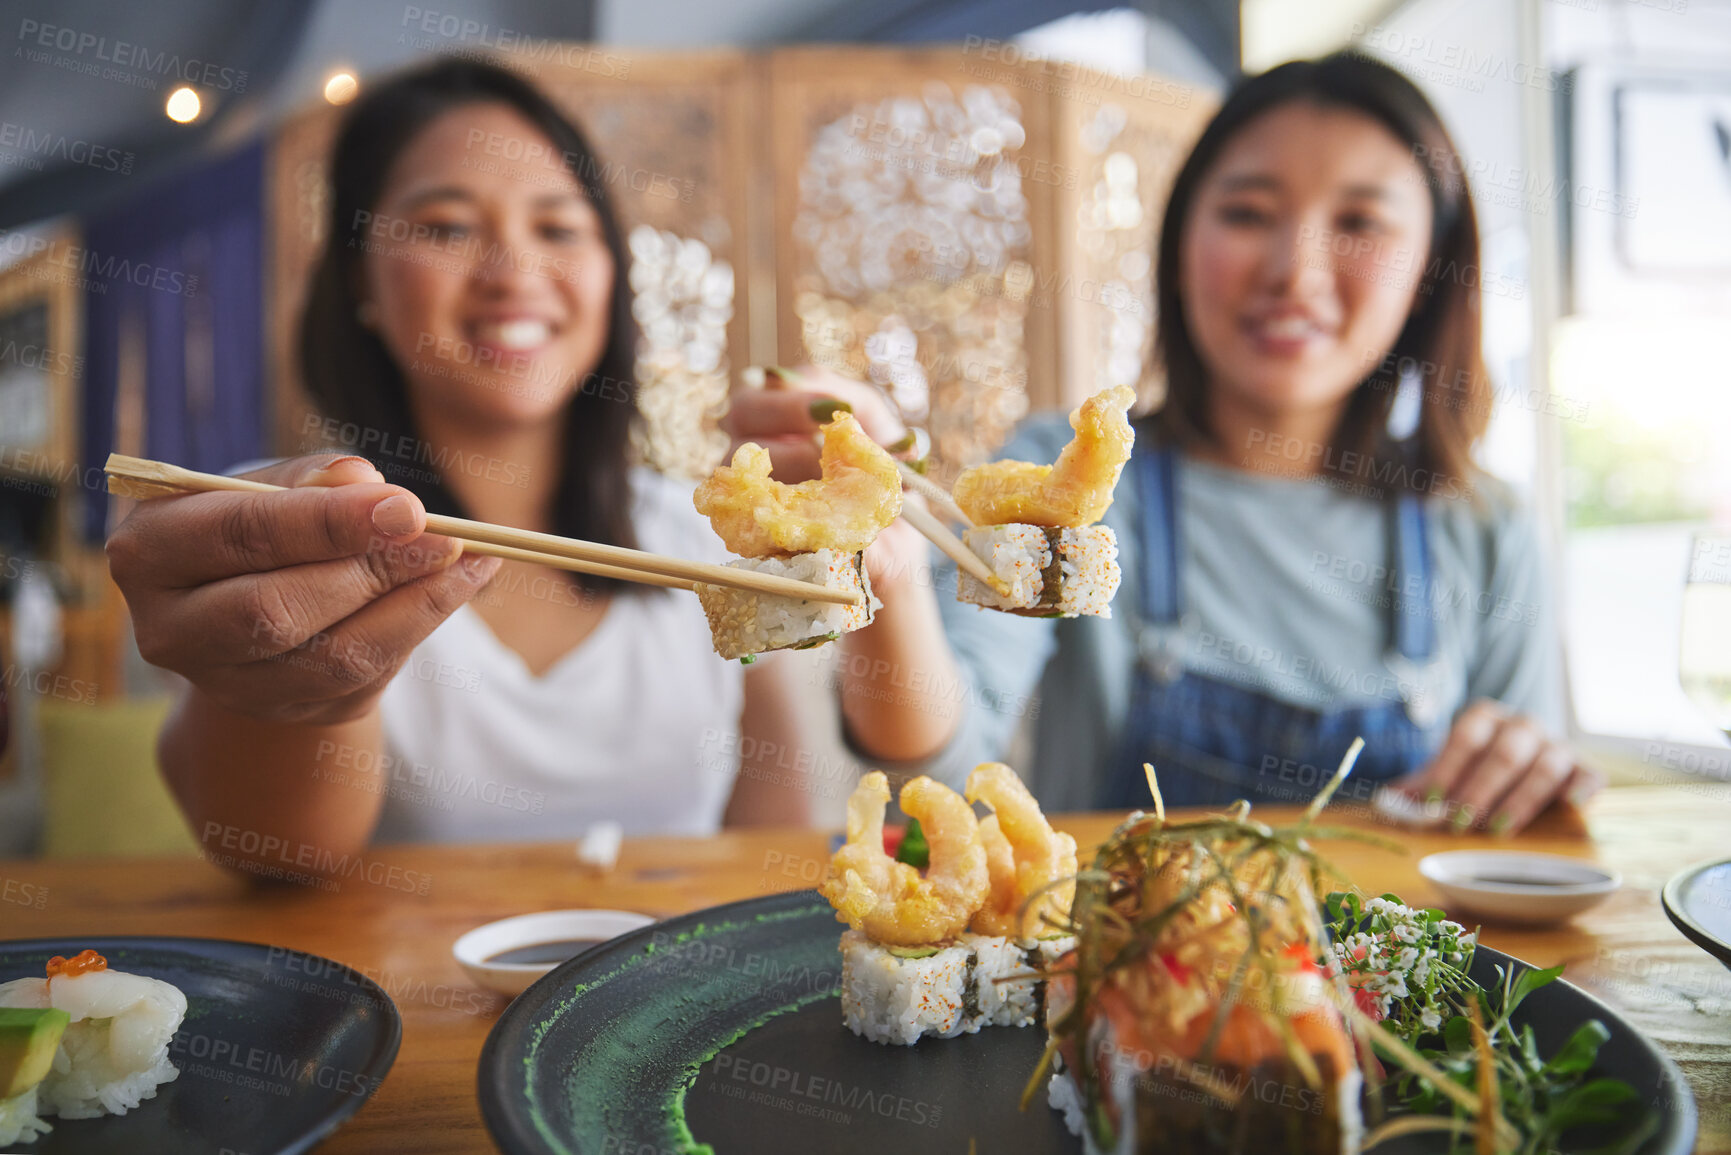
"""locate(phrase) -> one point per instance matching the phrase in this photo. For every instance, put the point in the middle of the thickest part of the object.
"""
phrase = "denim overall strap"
(1411, 626)
(1157, 476)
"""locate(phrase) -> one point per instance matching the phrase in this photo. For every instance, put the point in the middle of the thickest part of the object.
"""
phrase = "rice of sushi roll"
(114, 1053)
(744, 623)
(1049, 570)
(898, 995)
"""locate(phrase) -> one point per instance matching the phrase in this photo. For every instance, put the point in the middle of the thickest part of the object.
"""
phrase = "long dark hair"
(1440, 341)
(353, 377)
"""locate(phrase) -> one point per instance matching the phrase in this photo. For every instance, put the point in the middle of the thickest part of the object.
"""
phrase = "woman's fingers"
(179, 542)
(1504, 761)
(1472, 731)
(257, 615)
(802, 405)
(358, 656)
(322, 469)
(876, 415)
(1499, 770)
(373, 643)
(758, 413)
(1545, 779)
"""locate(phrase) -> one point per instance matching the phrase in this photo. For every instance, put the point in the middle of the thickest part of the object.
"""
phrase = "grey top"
(1285, 590)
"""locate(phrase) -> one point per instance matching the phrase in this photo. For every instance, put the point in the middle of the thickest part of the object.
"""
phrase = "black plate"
(1699, 901)
(588, 1059)
(277, 1049)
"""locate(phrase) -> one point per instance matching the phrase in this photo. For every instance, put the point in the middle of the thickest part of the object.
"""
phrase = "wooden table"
(1625, 951)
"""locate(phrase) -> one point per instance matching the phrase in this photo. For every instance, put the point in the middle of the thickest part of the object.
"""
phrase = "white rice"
(977, 981)
(19, 1122)
(1053, 571)
(745, 623)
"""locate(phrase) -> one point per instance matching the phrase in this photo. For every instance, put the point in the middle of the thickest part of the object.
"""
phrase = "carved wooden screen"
(973, 233)
(970, 229)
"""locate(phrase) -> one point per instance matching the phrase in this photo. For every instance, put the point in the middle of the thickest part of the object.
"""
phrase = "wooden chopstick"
(934, 493)
(138, 477)
(966, 559)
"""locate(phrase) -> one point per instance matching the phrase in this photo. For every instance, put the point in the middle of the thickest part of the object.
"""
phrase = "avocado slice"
(28, 1040)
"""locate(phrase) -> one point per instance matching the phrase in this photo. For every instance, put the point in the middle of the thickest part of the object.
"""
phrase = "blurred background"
(957, 199)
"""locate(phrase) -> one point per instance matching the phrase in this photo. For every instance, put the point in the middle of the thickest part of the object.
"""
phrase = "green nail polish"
(1433, 796)
(822, 411)
(788, 375)
(1463, 818)
(903, 443)
(1500, 823)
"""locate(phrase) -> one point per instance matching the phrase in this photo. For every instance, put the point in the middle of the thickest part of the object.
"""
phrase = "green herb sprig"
(1541, 1097)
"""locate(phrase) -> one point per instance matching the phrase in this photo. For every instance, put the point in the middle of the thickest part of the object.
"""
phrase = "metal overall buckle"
(1420, 687)
(1160, 650)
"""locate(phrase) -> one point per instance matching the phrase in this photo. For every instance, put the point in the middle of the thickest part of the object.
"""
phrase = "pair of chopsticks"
(141, 478)
(934, 530)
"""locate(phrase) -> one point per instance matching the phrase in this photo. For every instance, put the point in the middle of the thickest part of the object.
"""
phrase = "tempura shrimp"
(1075, 491)
(888, 900)
(859, 494)
(1025, 858)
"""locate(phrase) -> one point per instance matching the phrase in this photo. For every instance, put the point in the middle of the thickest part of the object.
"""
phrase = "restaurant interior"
(429, 857)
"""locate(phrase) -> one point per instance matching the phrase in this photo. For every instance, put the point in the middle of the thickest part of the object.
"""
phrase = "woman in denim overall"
(1317, 261)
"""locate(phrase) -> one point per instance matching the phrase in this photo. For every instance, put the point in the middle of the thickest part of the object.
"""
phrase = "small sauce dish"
(1514, 886)
(506, 956)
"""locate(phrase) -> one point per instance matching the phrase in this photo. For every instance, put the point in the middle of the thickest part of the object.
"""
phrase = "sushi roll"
(1050, 571)
(29, 1040)
(961, 945)
(898, 995)
(814, 531)
(114, 1052)
(1193, 1014)
(744, 623)
(1035, 526)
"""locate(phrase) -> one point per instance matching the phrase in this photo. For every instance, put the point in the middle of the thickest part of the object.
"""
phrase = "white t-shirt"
(636, 724)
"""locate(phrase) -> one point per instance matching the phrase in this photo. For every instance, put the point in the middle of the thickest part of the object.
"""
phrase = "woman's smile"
(1285, 332)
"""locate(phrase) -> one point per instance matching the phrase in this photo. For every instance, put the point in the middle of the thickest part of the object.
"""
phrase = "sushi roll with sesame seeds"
(898, 995)
(744, 623)
(1036, 526)
(813, 531)
(947, 938)
(1047, 571)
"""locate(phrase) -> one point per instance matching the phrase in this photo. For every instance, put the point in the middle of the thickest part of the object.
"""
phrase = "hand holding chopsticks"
(137, 477)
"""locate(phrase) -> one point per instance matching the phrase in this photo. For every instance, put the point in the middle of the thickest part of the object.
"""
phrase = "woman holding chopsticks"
(1309, 552)
(350, 675)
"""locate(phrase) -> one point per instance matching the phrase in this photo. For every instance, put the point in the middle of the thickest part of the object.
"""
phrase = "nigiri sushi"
(114, 1053)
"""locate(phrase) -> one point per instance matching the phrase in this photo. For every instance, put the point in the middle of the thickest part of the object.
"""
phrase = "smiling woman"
(347, 680)
(472, 281)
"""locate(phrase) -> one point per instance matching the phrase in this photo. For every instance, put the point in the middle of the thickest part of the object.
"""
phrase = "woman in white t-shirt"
(469, 328)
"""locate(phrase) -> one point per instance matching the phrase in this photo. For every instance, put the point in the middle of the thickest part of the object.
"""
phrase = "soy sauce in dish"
(540, 953)
(1499, 880)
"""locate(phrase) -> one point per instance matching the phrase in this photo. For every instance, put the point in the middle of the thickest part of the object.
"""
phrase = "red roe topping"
(82, 963)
